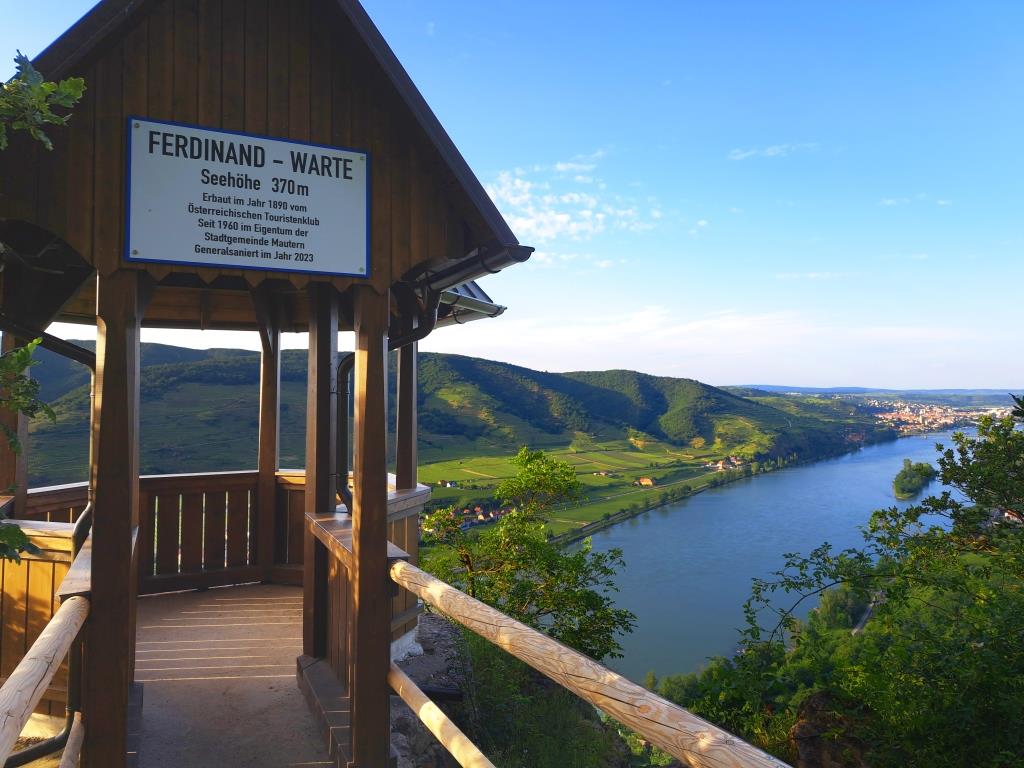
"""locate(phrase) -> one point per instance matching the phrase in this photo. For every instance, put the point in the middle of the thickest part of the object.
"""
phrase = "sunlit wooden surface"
(218, 670)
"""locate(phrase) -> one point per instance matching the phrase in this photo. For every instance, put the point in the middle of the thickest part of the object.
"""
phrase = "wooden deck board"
(218, 669)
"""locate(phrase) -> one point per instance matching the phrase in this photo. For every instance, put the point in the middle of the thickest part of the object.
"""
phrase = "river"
(689, 564)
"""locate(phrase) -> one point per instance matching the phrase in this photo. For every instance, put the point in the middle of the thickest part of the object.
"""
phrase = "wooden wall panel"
(295, 69)
(186, 60)
(76, 177)
(299, 69)
(277, 76)
(256, 19)
(209, 61)
(341, 79)
(161, 62)
(232, 72)
(108, 162)
(320, 113)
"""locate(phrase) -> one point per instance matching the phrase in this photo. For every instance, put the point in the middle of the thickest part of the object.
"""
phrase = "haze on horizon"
(810, 194)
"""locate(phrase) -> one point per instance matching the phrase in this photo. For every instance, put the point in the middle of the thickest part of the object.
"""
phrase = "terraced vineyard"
(474, 415)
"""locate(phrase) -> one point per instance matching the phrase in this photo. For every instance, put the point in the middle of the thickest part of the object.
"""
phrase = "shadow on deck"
(218, 670)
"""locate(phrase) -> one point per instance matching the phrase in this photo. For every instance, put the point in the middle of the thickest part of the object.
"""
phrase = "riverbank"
(711, 480)
(620, 479)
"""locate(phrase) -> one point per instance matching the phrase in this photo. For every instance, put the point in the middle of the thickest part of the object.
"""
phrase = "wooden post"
(268, 316)
(14, 466)
(405, 428)
(369, 576)
(115, 481)
(321, 426)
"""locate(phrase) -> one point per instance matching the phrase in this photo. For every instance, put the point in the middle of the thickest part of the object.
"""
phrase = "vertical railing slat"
(191, 533)
(215, 534)
(238, 522)
(168, 522)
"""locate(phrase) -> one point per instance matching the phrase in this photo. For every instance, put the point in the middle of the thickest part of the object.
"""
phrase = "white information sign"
(213, 198)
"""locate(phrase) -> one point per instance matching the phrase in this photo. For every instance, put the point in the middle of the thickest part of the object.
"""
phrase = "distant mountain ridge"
(199, 412)
(955, 397)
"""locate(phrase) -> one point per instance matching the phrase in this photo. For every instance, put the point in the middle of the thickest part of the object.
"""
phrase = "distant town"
(913, 418)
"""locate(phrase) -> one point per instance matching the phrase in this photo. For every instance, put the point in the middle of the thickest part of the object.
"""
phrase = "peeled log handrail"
(682, 734)
(73, 749)
(437, 722)
(34, 673)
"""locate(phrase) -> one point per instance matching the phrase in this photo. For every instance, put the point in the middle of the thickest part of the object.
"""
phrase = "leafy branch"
(28, 101)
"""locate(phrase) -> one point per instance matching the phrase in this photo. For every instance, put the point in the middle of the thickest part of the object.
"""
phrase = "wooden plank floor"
(218, 670)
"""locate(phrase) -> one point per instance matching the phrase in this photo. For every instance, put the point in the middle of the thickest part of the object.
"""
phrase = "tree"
(27, 102)
(18, 392)
(540, 483)
(514, 567)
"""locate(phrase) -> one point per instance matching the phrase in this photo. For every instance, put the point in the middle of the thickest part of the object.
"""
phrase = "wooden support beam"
(405, 427)
(115, 482)
(321, 427)
(13, 466)
(268, 315)
(369, 576)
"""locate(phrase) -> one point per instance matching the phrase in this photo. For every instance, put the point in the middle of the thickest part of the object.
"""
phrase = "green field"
(668, 465)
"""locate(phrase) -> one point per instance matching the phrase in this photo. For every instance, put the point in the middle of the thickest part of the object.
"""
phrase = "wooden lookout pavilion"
(267, 166)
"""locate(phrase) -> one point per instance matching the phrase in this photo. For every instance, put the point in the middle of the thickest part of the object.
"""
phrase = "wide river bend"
(689, 564)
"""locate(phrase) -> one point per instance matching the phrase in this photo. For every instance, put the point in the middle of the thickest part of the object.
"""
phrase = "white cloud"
(773, 150)
(604, 263)
(571, 167)
(893, 201)
(770, 347)
(943, 202)
(549, 203)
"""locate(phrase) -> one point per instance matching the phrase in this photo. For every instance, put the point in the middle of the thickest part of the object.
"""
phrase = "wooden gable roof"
(306, 70)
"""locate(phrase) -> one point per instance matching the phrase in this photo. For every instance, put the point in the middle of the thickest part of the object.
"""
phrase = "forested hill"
(199, 413)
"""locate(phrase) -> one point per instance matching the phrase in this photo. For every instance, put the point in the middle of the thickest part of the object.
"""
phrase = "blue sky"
(739, 192)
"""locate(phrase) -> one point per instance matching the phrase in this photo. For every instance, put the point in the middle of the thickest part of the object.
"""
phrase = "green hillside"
(199, 413)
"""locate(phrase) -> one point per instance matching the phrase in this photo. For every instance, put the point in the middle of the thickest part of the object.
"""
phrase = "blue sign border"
(128, 202)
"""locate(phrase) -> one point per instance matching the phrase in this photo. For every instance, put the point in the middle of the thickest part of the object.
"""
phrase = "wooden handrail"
(33, 675)
(437, 722)
(73, 747)
(682, 734)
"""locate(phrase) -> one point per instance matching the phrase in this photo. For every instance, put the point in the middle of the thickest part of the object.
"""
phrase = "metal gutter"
(475, 306)
(486, 259)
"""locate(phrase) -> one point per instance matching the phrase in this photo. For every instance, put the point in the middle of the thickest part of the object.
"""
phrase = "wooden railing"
(57, 503)
(197, 531)
(23, 690)
(403, 532)
(682, 734)
(202, 530)
(436, 721)
(28, 601)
